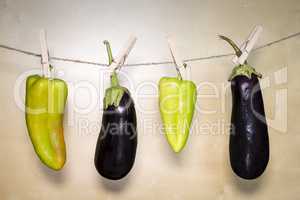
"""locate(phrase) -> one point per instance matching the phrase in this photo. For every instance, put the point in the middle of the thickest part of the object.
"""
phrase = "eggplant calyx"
(114, 94)
(244, 70)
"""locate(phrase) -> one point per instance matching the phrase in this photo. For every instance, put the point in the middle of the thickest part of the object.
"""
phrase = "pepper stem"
(176, 66)
(178, 72)
(51, 72)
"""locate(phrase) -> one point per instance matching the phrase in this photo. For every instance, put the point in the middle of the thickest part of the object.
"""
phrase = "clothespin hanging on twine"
(247, 46)
(121, 58)
(177, 59)
(47, 72)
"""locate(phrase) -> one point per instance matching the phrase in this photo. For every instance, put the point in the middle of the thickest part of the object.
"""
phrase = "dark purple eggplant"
(249, 140)
(117, 141)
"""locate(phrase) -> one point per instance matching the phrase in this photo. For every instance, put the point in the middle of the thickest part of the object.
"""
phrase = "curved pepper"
(45, 103)
(177, 99)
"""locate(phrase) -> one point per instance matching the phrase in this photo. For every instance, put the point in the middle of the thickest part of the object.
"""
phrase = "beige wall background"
(76, 30)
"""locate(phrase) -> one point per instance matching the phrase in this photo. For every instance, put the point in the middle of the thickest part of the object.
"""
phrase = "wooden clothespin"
(121, 58)
(177, 59)
(45, 55)
(247, 46)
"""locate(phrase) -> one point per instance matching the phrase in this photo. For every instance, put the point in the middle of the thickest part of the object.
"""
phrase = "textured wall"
(75, 30)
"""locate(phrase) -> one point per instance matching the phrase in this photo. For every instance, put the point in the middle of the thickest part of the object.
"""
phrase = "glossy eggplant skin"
(249, 140)
(117, 141)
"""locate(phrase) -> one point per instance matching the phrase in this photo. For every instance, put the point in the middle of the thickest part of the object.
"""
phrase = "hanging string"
(148, 63)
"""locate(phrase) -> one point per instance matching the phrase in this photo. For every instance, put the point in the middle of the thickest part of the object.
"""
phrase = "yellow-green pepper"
(177, 100)
(45, 104)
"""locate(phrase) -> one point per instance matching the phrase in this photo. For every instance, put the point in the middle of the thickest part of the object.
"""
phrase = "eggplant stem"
(109, 53)
(114, 81)
(237, 50)
(114, 77)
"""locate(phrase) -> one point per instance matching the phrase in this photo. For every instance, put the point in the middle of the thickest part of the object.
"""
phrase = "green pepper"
(45, 104)
(177, 99)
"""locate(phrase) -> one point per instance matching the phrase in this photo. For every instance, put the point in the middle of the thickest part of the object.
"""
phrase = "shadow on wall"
(120, 185)
(56, 177)
(115, 185)
(250, 186)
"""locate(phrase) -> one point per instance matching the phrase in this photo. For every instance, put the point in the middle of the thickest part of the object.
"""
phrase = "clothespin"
(121, 58)
(45, 55)
(247, 46)
(177, 59)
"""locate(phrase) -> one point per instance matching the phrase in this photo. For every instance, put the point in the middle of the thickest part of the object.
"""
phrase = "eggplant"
(117, 141)
(249, 140)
